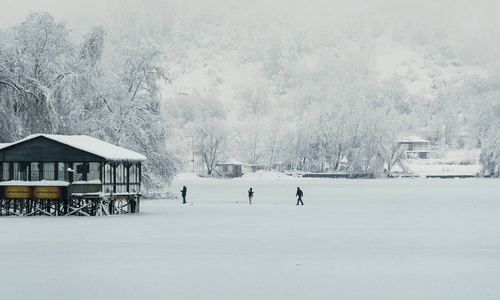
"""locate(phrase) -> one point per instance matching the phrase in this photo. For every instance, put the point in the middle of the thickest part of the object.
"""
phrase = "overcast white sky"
(80, 15)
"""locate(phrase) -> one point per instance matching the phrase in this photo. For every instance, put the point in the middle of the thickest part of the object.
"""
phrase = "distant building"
(254, 167)
(415, 147)
(230, 168)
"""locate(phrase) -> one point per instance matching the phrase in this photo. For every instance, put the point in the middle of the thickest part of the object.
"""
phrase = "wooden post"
(127, 171)
(70, 174)
(114, 177)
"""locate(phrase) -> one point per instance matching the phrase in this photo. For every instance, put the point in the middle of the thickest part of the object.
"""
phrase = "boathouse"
(68, 175)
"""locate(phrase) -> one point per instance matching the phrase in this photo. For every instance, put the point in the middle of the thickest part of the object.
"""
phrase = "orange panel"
(47, 192)
(17, 192)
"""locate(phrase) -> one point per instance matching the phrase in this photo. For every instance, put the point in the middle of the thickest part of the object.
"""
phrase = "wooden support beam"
(10, 212)
(70, 206)
(79, 210)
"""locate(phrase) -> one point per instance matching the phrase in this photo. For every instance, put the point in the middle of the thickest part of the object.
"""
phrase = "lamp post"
(192, 136)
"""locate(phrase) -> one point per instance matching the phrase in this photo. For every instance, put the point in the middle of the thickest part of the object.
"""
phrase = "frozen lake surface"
(353, 239)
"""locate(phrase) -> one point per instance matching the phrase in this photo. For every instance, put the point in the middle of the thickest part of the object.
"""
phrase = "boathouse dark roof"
(50, 147)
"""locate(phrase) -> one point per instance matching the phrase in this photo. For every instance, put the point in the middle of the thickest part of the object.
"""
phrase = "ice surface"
(353, 239)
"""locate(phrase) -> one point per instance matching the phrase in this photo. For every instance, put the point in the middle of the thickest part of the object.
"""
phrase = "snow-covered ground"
(353, 239)
(451, 162)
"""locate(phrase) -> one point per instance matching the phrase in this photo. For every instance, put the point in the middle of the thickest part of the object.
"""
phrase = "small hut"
(230, 168)
(415, 147)
(68, 175)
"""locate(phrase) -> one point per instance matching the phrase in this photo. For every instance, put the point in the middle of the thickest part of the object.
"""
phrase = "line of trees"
(355, 131)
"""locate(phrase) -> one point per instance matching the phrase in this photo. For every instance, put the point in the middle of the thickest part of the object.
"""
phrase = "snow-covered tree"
(211, 133)
(34, 57)
(50, 85)
(490, 154)
(137, 119)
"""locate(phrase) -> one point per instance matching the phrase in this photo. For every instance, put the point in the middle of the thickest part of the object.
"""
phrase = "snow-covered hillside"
(286, 89)
(422, 71)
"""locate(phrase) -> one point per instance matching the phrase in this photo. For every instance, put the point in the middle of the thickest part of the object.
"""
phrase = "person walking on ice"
(250, 195)
(299, 195)
(184, 192)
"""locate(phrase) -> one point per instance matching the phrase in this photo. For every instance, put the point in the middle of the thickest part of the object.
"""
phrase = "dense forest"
(296, 84)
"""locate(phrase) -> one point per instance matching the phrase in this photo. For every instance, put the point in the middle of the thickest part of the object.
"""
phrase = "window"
(108, 173)
(120, 174)
(6, 171)
(35, 171)
(94, 170)
(20, 171)
(134, 174)
(62, 171)
(49, 172)
(225, 168)
(116, 178)
(125, 178)
(82, 171)
(121, 188)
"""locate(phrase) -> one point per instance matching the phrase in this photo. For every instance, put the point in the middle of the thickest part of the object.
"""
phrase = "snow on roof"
(91, 145)
(34, 183)
(414, 139)
(231, 161)
(3, 145)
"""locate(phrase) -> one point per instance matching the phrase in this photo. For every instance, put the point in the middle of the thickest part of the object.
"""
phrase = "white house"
(415, 147)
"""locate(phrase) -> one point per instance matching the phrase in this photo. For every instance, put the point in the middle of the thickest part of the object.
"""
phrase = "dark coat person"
(299, 194)
(250, 195)
(184, 192)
